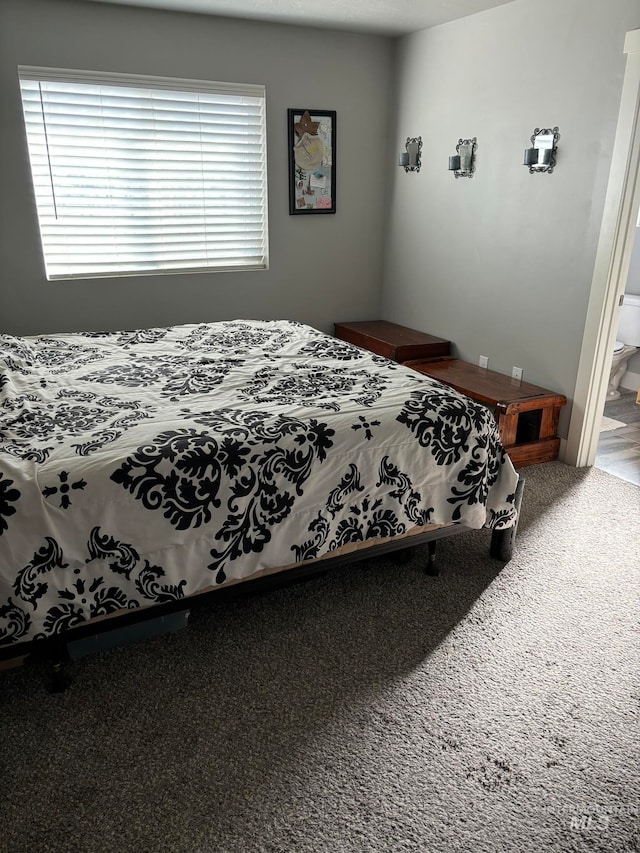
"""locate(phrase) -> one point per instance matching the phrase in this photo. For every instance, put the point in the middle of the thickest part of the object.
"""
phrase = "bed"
(141, 468)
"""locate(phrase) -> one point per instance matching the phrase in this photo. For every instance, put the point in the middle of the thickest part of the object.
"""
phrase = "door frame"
(617, 234)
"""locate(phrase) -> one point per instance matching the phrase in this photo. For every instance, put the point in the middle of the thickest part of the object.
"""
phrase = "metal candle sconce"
(541, 157)
(411, 158)
(463, 163)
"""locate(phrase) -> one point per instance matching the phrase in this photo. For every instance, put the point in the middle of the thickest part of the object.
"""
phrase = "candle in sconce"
(403, 159)
(454, 163)
(465, 158)
(530, 156)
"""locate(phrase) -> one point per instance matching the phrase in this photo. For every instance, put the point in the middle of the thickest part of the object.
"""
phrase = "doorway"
(618, 450)
(617, 235)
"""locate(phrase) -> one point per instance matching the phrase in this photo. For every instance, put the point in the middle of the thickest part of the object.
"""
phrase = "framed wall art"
(312, 161)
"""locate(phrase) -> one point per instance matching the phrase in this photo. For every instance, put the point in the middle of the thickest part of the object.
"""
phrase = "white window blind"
(145, 175)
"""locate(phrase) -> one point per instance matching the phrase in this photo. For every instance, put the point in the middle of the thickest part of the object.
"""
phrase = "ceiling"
(383, 17)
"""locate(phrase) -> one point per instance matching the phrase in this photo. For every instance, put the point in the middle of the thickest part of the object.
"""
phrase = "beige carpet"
(373, 710)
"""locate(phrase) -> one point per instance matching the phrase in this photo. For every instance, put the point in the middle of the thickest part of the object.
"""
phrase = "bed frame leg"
(502, 541)
(431, 568)
(405, 555)
(60, 679)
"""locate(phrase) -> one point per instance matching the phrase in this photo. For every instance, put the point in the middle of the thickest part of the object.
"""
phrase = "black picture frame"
(312, 161)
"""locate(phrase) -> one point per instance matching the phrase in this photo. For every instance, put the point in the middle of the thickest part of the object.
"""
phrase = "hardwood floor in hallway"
(619, 449)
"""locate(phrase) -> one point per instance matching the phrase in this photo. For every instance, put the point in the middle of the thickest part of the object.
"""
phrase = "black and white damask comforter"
(143, 466)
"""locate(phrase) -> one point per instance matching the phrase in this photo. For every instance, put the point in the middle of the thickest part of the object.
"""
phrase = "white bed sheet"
(142, 466)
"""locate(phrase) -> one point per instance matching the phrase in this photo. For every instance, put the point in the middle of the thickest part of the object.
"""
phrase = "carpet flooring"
(492, 708)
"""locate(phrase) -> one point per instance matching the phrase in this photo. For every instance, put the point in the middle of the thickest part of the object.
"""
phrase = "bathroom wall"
(633, 279)
(631, 378)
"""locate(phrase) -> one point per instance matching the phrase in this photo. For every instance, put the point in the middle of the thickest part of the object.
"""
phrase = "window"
(146, 175)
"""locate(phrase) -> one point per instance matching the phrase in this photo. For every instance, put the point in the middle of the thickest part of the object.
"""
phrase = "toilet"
(627, 344)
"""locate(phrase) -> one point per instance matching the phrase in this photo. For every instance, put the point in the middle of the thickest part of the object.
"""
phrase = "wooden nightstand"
(392, 341)
(527, 415)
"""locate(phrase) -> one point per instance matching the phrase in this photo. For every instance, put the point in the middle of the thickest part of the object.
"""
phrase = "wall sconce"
(463, 163)
(410, 158)
(541, 157)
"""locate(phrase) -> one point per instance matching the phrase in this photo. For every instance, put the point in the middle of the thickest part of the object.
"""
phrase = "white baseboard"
(630, 381)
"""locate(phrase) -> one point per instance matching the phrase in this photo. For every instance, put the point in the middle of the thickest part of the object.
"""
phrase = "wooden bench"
(527, 415)
(398, 343)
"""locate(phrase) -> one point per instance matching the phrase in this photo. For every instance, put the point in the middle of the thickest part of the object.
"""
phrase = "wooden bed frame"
(55, 650)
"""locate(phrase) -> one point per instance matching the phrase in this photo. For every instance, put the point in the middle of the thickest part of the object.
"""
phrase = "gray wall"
(322, 268)
(502, 264)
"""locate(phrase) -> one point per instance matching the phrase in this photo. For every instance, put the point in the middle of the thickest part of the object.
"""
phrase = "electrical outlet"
(483, 361)
(516, 373)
